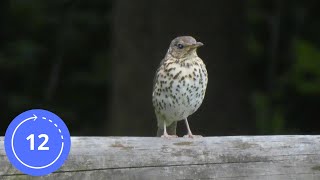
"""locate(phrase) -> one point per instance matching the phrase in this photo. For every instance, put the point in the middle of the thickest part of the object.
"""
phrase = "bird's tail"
(171, 130)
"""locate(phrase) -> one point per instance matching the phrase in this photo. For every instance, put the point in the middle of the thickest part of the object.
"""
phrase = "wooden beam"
(237, 157)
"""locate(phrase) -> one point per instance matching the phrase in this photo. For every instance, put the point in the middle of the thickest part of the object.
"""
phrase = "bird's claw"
(192, 136)
(167, 136)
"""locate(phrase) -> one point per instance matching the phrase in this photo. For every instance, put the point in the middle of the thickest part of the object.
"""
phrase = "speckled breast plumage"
(179, 89)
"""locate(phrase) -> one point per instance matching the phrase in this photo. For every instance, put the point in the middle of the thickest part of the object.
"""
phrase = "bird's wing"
(156, 75)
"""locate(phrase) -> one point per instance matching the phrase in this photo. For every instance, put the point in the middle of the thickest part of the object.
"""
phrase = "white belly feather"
(180, 97)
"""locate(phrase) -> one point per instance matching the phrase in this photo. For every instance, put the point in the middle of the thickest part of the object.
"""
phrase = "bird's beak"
(197, 44)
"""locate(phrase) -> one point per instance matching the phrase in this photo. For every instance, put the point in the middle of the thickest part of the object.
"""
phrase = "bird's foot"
(167, 136)
(192, 136)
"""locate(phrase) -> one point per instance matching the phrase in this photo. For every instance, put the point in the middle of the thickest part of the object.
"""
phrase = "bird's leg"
(190, 135)
(165, 134)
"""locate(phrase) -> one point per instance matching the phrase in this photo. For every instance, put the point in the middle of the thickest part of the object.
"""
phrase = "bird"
(179, 86)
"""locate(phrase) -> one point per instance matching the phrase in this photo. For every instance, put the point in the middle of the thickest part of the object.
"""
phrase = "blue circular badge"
(37, 142)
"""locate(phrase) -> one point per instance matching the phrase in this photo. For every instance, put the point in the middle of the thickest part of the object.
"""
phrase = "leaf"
(305, 73)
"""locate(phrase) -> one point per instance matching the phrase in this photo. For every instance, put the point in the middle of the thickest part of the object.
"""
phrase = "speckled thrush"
(179, 85)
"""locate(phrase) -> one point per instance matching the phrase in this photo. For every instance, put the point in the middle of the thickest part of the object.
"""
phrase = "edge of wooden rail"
(228, 157)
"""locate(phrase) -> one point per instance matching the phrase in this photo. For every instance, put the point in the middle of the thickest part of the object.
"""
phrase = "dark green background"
(92, 63)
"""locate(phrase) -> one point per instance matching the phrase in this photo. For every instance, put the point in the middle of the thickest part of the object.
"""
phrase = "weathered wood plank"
(238, 157)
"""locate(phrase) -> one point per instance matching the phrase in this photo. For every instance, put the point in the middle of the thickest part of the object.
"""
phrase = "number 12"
(42, 145)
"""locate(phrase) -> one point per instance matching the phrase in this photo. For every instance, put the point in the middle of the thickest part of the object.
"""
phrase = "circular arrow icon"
(37, 142)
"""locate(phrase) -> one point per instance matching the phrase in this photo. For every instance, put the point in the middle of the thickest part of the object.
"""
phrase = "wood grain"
(236, 157)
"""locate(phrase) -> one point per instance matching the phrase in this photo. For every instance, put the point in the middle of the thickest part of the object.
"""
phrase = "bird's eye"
(180, 46)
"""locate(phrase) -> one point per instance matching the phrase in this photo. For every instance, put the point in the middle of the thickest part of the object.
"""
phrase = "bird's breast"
(180, 88)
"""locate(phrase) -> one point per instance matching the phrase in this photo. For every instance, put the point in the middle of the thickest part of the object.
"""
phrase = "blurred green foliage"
(56, 55)
(284, 46)
(305, 72)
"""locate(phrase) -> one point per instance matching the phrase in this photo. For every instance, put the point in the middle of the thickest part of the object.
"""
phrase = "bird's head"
(183, 47)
